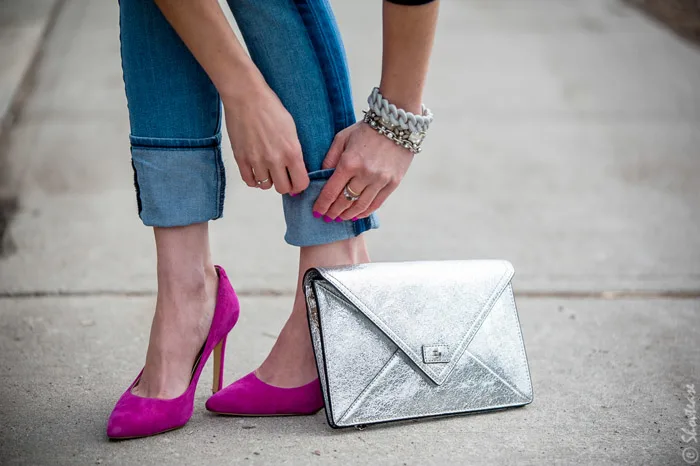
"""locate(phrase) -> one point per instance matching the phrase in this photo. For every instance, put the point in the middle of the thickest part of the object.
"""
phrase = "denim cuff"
(303, 229)
(178, 181)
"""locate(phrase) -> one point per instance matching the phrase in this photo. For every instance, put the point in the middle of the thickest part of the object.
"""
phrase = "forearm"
(408, 41)
(204, 29)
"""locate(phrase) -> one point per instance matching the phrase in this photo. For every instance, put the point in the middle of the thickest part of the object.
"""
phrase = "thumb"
(336, 149)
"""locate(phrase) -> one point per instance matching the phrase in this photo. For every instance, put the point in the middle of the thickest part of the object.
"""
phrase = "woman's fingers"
(263, 179)
(247, 174)
(382, 196)
(356, 187)
(298, 176)
(331, 191)
(286, 179)
(362, 204)
(373, 163)
(336, 150)
(334, 187)
(281, 179)
(265, 142)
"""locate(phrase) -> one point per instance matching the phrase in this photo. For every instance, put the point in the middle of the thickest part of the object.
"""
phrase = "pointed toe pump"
(135, 416)
(250, 396)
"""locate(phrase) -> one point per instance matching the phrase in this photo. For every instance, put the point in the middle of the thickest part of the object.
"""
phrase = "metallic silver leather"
(436, 353)
(402, 340)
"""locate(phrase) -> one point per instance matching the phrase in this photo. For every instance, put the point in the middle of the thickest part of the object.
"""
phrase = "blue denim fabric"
(175, 111)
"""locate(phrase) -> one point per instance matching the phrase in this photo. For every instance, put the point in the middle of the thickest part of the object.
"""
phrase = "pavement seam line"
(609, 295)
(31, 294)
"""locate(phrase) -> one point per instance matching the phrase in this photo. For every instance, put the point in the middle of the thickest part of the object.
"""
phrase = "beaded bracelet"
(404, 128)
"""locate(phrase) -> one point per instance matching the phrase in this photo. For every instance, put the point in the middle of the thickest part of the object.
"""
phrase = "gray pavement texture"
(22, 29)
(567, 141)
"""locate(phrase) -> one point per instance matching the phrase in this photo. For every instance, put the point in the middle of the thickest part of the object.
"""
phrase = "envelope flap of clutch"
(430, 310)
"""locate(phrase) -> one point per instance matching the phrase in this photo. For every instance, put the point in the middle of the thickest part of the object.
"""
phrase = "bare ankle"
(184, 259)
(349, 251)
(195, 281)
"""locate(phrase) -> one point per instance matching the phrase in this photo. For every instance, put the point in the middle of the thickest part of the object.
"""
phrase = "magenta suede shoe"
(251, 396)
(134, 416)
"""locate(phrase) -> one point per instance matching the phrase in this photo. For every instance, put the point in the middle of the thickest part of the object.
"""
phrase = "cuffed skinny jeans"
(175, 110)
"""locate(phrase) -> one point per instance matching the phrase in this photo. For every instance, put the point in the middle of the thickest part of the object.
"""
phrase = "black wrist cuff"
(410, 2)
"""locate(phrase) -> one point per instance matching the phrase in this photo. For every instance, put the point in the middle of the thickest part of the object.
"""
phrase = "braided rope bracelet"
(404, 128)
(398, 116)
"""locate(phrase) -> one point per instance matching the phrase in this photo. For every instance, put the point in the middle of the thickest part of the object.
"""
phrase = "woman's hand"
(370, 165)
(264, 141)
(262, 132)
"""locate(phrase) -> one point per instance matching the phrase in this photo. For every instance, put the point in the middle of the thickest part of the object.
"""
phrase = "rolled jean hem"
(303, 229)
(178, 182)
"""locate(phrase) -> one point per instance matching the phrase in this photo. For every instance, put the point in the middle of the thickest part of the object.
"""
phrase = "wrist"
(404, 127)
(241, 84)
(408, 99)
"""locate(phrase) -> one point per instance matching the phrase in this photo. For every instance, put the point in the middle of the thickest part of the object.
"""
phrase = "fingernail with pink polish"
(354, 219)
(292, 194)
(338, 219)
(326, 218)
(317, 214)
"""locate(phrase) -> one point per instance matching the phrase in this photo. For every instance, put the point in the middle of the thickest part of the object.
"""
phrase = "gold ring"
(351, 192)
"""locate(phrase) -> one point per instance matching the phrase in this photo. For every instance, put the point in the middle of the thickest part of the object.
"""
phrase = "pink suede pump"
(250, 396)
(134, 416)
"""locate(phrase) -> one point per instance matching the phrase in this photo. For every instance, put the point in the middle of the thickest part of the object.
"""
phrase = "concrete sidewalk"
(566, 141)
(23, 30)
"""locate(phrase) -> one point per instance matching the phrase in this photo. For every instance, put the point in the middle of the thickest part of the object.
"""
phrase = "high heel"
(250, 396)
(219, 355)
(135, 416)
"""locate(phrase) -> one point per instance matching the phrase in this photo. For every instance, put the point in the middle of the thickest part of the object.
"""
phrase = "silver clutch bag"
(406, 340)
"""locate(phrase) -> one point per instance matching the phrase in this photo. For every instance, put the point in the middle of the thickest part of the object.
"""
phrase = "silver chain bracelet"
(409, 140)
(404, 128)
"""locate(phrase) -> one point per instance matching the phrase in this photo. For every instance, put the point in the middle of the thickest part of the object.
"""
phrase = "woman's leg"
(291, 362)
(187, 287)
(174, 111)
(297, 47)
